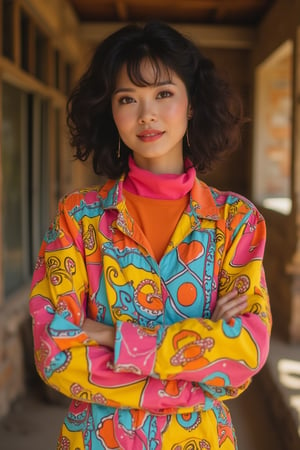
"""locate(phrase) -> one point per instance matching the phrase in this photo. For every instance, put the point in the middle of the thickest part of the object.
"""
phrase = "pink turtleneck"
(156, 202)
(163, 186)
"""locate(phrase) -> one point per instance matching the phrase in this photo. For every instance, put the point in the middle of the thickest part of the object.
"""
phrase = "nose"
(147, 113)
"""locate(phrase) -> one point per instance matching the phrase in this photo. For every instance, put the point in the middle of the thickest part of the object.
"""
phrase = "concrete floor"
(34, 425)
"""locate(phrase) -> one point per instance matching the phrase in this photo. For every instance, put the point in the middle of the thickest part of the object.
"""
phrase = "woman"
(148, 300)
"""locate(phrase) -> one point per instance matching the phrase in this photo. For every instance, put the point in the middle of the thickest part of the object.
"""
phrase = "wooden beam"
(204, 36)
(16, 32)
(1, 200)
(122, 10)
(31, 47)
(26, 82)
(57, 19)
(1, 21)
(216, 4)
(197, 4)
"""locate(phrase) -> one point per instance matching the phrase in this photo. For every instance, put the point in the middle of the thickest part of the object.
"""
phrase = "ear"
(189, 112)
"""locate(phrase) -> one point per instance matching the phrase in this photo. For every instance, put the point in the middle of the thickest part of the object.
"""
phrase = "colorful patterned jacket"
(163, 385)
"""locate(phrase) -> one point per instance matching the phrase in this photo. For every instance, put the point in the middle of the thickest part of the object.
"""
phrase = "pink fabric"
(163, 186)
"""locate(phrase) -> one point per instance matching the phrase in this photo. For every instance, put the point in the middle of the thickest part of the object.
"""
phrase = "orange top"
(157, 218)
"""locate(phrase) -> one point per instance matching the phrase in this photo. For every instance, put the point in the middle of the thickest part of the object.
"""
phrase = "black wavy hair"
(217, 109)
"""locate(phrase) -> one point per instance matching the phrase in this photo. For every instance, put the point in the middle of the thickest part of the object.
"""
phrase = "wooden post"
(1, 26)
(1, 200)
(293, 269)
(16, 30)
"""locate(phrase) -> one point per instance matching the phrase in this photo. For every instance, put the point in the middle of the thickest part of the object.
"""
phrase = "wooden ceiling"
(206, 12)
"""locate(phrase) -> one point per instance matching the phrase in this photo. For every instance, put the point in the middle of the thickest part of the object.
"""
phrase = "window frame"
(42, 90)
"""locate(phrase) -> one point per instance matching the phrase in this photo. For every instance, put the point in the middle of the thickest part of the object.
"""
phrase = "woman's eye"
(164, 94)
(125, 100)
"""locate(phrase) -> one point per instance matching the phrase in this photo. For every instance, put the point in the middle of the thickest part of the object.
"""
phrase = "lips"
(150, 135)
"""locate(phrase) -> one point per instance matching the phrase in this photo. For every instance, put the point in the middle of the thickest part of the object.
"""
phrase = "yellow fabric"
(164, 383)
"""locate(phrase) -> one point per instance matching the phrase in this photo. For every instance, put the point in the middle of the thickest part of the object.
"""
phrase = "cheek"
(122, 119)
(177, 112)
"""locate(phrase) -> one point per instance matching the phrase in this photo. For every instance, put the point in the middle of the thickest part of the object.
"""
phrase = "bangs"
(158, 72)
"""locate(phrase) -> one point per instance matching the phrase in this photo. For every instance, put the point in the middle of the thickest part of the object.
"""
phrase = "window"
(25, 23)
(26, 182)
(68, 78)
(57, 69)
(41, 56)
(7, 29)
(14, 188)
(272, 136)
(57, 146)
(31, 137)
(39, 161)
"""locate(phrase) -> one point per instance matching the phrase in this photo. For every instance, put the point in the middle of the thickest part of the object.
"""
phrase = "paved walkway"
(261, 415)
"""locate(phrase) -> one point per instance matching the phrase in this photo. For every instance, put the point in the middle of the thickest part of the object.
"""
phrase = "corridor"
(44, 45)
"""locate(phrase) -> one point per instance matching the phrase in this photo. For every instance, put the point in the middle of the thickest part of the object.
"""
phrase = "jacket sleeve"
(221, 356)
(65, 357)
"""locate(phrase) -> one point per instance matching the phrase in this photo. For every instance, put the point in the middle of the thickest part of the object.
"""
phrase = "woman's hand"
(226, 308)
(229, 306)
(99, 332)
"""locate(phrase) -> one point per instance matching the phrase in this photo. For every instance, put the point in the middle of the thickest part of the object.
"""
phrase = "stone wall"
(16, 357)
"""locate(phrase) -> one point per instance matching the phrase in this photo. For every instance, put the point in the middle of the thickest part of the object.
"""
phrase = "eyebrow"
(160, 83)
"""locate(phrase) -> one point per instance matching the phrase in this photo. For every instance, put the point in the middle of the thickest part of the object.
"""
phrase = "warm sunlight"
(273, 131)
(289, 376)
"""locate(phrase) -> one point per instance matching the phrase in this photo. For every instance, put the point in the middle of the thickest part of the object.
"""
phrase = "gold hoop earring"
(119, 148)
(188, 138)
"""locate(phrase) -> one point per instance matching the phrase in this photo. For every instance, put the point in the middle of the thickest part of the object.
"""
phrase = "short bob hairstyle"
(217, 110)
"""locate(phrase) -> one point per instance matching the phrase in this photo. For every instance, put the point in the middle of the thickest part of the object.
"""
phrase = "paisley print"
(164, 383)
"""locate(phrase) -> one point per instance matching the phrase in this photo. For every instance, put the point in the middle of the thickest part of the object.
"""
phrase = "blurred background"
(44, 47)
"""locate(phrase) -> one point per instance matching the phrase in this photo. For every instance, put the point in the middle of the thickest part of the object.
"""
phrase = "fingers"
(234, 308)
(229, 305)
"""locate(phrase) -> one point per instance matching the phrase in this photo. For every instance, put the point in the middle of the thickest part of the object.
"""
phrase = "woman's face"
(152, 120)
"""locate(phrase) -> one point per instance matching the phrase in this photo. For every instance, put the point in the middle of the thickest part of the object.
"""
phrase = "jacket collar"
(202, 203)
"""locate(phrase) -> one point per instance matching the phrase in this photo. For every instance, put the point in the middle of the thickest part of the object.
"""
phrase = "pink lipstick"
(150, 135)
